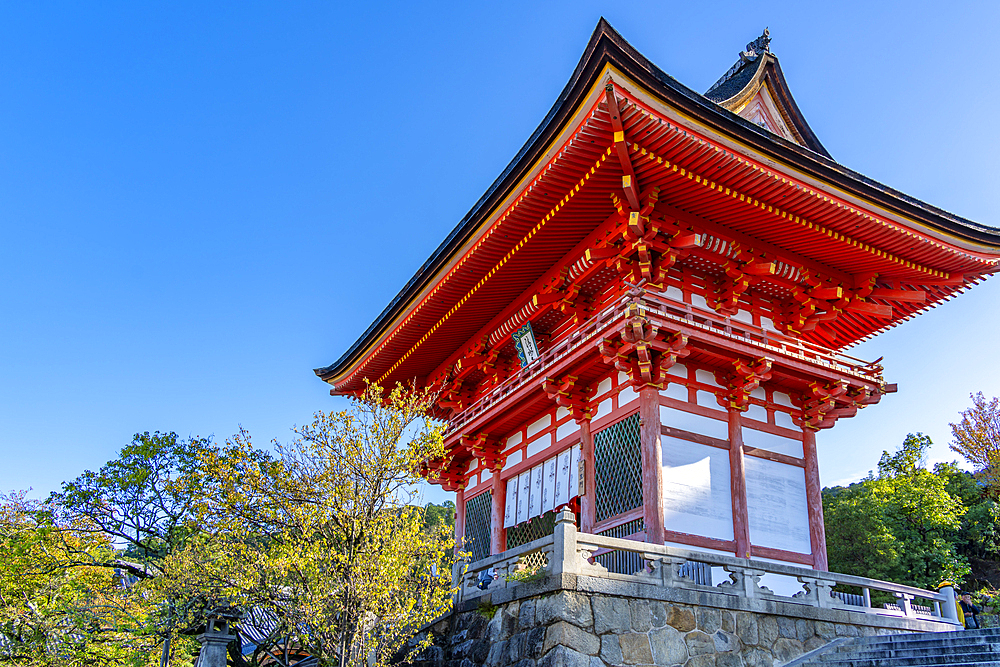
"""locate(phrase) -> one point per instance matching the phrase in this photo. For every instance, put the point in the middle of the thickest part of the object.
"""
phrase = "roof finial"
(755, 49)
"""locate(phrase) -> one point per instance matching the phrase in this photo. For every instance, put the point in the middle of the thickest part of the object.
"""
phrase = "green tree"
(324, 538)
(144, 503)
(53, 613)
(902, 525)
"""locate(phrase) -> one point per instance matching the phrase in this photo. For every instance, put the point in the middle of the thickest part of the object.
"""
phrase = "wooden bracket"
(569, 394)
(629, 183)
(819, 405)
(741, 381)
(486, 449)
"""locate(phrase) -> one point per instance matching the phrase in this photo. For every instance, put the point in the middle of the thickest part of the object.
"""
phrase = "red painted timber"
(497, 541)
(814, 500)
(459, 519)
(652, 463)
(587, 505)
(781, 554)
(738, 482)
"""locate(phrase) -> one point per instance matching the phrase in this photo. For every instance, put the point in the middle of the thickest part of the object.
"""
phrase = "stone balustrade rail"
(567, 551)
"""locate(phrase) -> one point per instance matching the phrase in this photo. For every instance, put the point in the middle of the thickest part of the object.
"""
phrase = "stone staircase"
(962, 648)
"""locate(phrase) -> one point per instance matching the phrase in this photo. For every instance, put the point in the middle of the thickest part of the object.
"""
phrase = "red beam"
(873, 309)
(629, 182)
(908, 296)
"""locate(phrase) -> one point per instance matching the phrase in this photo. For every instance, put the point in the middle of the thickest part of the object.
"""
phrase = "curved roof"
(607, 47)
(751, 73)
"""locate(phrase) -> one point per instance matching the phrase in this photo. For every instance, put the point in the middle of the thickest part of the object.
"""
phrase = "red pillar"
(814, 500)
(459, 519)
(652, 463)
(496, 518)
(738, 488)
(588, 508)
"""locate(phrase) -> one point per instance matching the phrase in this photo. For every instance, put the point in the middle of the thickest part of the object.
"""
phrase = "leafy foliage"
(902, 525)
(324, 538)
(977, 437)
(55, 614)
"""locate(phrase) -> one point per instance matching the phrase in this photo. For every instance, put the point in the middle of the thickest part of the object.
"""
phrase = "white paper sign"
(548, 485)
(562, 478)
(510, 506)
(523, 495)
(575, 461)
(535, 502)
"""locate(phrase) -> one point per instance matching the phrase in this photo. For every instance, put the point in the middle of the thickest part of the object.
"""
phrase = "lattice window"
(618, 464)
(532, 529)
(478, 512)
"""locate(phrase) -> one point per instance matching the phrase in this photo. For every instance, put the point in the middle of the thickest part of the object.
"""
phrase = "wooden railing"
(568, 552)
(665, 311)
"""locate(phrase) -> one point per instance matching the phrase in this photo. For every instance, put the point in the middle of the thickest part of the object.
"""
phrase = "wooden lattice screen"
(478, 511)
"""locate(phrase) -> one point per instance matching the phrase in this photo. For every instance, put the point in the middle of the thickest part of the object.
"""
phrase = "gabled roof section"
(754, 88)
(555, 192)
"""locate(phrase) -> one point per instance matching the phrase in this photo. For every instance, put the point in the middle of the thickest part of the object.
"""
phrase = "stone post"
(565, 559)
(214, 641)
(949, 609)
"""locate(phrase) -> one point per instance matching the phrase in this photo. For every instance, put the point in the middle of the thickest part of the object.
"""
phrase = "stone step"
(929, 661)
(920, 636)
(951, 644)
(945, 649)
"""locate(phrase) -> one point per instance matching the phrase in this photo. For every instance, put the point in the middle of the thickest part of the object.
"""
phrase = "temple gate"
(642, 325)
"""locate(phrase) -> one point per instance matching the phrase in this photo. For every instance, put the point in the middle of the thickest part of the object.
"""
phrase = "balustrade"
(567, 551)
(666, 312)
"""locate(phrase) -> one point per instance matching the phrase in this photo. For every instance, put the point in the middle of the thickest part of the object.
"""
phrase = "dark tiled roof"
(607, 46)
(735, 83)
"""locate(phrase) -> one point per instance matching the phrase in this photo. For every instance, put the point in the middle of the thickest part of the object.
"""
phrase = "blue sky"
(201, 202)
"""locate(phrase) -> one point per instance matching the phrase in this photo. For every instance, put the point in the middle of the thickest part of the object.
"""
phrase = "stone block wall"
(570, 628)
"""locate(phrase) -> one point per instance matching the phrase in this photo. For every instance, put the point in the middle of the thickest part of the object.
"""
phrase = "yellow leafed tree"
(324, 540)
(977, 437)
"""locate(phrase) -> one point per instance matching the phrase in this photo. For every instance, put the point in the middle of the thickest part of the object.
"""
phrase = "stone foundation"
(589, 622)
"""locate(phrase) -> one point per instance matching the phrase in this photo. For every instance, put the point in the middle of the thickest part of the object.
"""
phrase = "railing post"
(949, 608)
(867, 593)
(565, 559)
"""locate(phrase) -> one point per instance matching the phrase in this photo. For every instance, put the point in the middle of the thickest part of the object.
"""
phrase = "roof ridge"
(754, 50)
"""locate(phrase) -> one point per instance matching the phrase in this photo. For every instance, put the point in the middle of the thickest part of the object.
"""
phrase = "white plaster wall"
(776, 500)
(688, 421)
(772, 443)
(697, 496)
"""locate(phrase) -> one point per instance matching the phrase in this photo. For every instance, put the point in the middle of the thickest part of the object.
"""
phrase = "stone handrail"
(568, 552)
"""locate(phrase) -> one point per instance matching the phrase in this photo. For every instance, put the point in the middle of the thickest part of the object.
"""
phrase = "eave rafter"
(651, 237)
